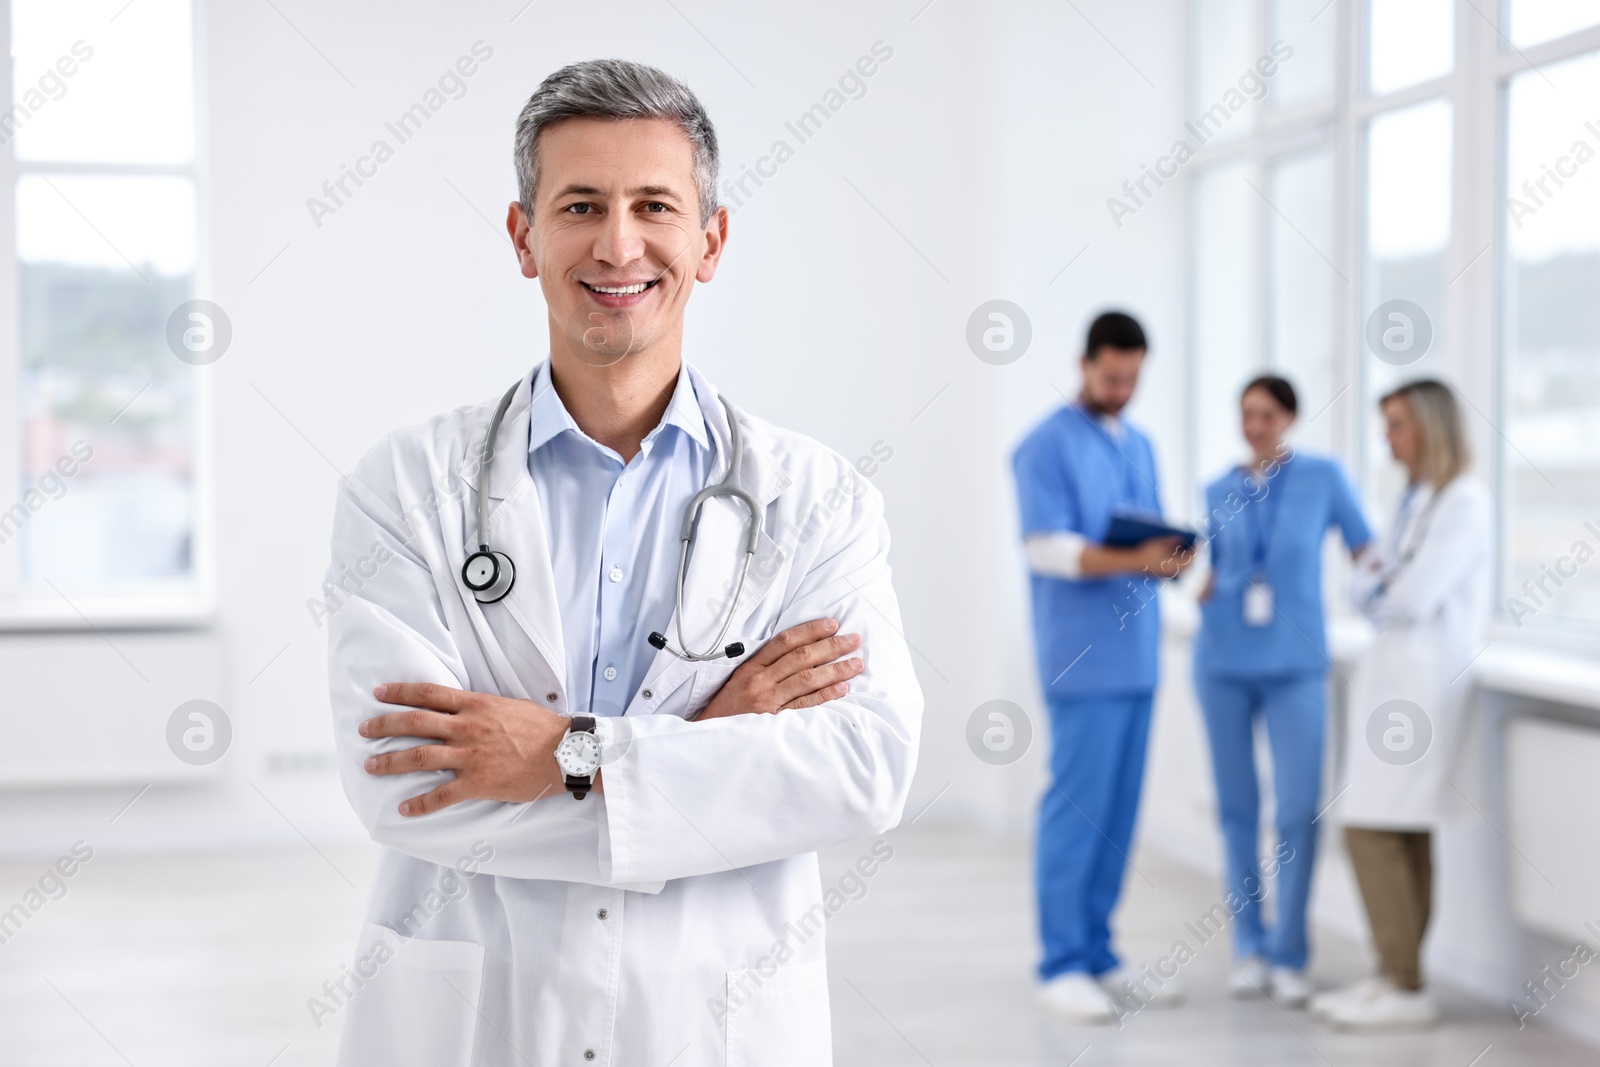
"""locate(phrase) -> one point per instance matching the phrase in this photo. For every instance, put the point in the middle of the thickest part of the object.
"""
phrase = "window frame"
(1474, 311)
(183, 603)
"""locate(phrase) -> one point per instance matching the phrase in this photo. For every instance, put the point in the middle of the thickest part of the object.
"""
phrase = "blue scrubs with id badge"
(1261, 654)
(1096, 642)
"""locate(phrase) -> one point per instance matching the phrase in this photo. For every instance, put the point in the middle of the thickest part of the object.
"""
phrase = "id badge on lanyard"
(1258, 602)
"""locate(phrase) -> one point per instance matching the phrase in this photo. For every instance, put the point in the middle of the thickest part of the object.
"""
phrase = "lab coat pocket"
(418, 1002)
(707, 680)
(780, 1020)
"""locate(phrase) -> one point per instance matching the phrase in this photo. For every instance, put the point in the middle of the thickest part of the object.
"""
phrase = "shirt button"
(616, 574)
(611, 674)
(601, 914)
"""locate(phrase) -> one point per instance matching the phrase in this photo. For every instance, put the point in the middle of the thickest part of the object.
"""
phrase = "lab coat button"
(646, 694)
(551, 697)
(601, 914)
(611, 674)
(588, 1053)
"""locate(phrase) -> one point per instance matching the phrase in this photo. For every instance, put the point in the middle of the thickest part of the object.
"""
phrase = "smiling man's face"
(615, 238)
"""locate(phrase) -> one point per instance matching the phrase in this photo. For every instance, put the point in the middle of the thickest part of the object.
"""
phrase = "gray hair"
(616, 89)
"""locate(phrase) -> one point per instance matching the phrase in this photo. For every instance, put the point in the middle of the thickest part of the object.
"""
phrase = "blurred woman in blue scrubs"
(1261, 654)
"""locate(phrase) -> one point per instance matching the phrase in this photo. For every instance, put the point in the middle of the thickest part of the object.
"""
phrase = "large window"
(100, 515)
(1404, 269)
(1300, 286)
(1225, 280)
(1421, 196)
(1263, 233)
(1550, 331)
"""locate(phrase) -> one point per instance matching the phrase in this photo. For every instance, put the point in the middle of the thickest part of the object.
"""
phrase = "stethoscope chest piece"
(489, 575)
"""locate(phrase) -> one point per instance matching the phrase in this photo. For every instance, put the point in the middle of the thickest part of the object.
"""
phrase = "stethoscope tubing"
(497, 587)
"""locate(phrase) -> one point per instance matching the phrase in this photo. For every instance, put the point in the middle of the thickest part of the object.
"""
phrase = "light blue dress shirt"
(613, 530)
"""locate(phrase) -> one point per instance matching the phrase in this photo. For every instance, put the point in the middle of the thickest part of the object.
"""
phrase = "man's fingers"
(409, 724)
(415, 758)
(424, 695)
(794, 637)
(821, 696)
(813, 679)
(451, 792)
(828, 648)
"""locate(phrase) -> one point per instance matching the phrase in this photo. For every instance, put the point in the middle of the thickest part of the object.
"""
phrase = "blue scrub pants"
(1086, 826)
(1294, 708)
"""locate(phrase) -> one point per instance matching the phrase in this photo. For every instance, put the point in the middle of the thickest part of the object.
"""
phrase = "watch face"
(578, 754)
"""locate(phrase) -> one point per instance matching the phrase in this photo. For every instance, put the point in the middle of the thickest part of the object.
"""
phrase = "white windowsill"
(33, 615)
(1515, 664)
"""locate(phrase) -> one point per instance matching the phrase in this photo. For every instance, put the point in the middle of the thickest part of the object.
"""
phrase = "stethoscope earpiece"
(658, 640)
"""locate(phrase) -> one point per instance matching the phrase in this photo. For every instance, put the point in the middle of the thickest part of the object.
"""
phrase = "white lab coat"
(1430, 626)
(649, 922)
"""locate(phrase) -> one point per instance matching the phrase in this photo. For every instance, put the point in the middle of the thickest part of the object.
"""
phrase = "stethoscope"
(491, 574)
(1418, 531)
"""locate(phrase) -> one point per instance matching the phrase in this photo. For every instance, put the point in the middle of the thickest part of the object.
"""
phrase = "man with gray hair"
(543, 677)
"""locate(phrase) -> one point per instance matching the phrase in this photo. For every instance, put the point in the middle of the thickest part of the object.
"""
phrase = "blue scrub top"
(1276, 529)
(1071, 473)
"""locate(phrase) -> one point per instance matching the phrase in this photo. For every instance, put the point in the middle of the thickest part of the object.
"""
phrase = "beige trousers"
(1394, 869)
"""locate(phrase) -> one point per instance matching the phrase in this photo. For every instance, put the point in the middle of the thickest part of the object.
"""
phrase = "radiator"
(93, 708)
(1553, 795)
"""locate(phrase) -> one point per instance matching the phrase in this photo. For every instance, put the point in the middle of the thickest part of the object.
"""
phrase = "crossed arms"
(503, 749)
(798, 750)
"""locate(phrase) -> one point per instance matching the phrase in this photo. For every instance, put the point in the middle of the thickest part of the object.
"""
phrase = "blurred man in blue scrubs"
(1097, 631)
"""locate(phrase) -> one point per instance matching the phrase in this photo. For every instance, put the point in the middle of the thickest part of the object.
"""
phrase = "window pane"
(1226, 211)
(1552, 337)
(1535, 21)
(1224, 49)
(1409, 41)
(1300, 288)
(102, 264)
(1407, 238)
(89, 89)
(1308, 27)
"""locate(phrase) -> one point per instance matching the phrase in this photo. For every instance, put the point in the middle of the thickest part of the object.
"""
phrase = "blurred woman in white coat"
(1426, 592)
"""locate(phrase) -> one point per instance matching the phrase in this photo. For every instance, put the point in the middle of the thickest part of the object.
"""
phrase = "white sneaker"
(1387, 1010)
(1141, 990)
(1078, 997)
(1321, 1004)
(1290, 989)
(1248, 978)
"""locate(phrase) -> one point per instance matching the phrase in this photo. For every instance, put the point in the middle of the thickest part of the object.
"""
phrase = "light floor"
(163, 962)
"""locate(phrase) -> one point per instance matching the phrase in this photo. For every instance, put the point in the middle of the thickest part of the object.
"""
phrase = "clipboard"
(1132, 528)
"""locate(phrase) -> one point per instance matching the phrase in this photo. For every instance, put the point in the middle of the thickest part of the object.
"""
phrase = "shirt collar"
(548, 416)
(1113, 425)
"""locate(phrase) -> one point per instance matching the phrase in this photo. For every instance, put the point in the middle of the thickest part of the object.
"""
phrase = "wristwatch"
(578, 755)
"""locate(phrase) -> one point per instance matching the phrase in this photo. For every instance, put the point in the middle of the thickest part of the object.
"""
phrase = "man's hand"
(1165, 557)
(500, 748)
(793, 670)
